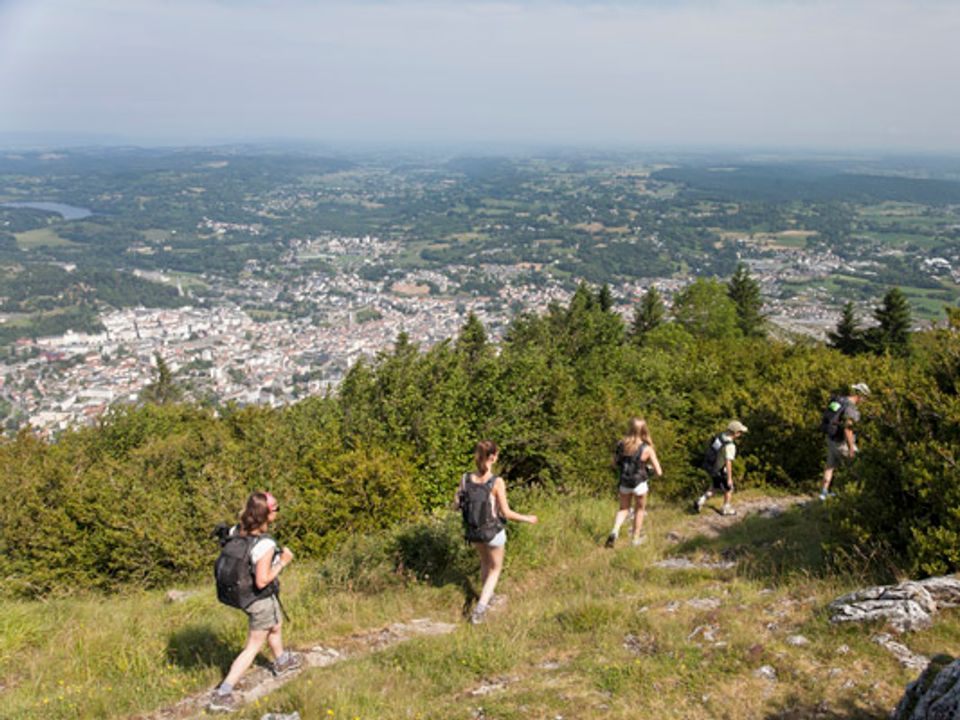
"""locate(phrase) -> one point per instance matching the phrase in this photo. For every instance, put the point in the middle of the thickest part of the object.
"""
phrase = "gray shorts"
(837, 453)
(264, 614)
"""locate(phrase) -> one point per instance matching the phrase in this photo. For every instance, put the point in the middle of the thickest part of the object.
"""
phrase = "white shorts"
(641, 489)
(498, 540)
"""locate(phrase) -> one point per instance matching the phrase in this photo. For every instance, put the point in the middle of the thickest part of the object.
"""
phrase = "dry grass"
(586, 633)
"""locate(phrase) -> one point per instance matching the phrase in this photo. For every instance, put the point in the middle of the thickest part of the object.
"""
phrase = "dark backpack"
(235, 575)
(480, 522)
(633, 470)
(831, 423)
(712, 452)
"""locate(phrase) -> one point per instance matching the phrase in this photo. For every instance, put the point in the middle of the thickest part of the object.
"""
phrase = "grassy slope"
(559, 647)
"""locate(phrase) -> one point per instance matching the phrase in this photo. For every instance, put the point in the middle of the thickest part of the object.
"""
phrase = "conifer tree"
(163, 389)
(892, 334)
(472, 342)
(848, 337)
(745, 293)
(648, 315)
(605, 298)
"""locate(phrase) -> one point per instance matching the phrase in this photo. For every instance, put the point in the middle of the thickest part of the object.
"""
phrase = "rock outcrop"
(935, 695)
(907, 606)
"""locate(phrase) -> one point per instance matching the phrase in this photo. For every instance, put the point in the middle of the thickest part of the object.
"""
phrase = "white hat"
(861, 389)
(736, 426)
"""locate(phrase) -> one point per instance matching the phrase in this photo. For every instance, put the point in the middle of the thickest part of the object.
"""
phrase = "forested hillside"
(132, 501)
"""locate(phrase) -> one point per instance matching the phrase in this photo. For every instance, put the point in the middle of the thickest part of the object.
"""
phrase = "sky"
(816, 74)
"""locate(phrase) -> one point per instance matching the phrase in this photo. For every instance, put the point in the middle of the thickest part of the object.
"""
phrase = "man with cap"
(718, 462)
(838, 420)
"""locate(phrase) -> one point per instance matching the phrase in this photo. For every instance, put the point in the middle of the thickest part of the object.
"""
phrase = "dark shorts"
(720, 481)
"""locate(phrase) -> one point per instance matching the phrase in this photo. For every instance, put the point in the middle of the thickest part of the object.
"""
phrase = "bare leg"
(827, 478)
(246, 657)
(639, 514)
(275, 641)
(621, 513)
(494, 564)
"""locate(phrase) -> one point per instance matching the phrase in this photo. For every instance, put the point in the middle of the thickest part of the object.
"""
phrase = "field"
(585, 632)
(42, 237)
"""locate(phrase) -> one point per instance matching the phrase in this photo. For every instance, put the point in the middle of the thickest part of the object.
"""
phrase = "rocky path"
(259, 682)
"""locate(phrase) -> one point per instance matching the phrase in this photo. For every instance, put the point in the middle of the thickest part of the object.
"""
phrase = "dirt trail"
(259, 682)
(710, 523)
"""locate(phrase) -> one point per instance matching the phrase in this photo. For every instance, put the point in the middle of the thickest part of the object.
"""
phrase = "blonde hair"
(637, 433)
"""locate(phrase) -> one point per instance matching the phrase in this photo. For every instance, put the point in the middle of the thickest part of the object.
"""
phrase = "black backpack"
(480, 522)
(712, 452)
(831, 423)
(235, 575)
(633, 470)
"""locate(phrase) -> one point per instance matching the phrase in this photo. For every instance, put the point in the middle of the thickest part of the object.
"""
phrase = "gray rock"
(907, 606)
(766, 672)
(944, 590)
(901, 652)
(281, 716)
(935, 695)
(687, 564)
(703, 603)
(174, 596)
(797, 640)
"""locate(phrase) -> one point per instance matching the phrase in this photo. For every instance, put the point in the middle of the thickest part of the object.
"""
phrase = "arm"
(850, 439)
(267, 572)
(500, 493)
(651, 457)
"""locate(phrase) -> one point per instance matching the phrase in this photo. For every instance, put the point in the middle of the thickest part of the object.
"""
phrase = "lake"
(67, 212)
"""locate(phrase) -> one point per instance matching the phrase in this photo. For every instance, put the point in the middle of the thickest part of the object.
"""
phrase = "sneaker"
(220, 702)
(478, 615)
(698, 504)
(638, 540)
(611, 540)
(287, 662)
(824, 494)
(727, 510)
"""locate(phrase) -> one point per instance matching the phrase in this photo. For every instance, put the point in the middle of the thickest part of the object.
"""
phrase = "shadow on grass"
(197, 646)
(775, 547)
(435, 553)
(795, 709)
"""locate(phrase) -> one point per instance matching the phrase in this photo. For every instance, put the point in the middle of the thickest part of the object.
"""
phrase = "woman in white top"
(491, 553)
(635, 452)
(264, 615)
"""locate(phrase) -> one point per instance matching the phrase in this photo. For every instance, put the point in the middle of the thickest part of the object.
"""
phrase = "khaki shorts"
(837, 453)
(264, 614)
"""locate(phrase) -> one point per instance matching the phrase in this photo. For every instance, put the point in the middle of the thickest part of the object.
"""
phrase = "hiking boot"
(638, 540)
(220, 702)
(478, 615)
(727, 511)
(611, 540)
(287, 662)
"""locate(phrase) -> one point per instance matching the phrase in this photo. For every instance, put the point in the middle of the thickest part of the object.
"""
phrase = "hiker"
(837, 424)
(482, 498)
(718, 462)
(631, 458)
(265, 562)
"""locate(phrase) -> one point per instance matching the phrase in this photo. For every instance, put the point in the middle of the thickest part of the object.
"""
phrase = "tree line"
(131, 502)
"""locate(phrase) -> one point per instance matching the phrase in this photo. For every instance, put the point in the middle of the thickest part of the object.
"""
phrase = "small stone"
(767, 672)
(703, 603)
(797, 641)
(281, 716)
(843, 649)
(176, 596)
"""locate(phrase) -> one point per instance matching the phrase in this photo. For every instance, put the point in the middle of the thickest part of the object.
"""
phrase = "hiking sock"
(225, 689)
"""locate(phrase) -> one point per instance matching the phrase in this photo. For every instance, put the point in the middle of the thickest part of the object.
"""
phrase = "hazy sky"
(844, 74)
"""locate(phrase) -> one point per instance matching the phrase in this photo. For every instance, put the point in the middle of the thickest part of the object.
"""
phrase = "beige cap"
(736, 426)
(861, 389)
